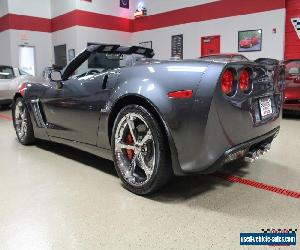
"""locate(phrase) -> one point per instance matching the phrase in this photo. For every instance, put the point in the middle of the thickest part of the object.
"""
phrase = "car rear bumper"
(241, 150)
(204, 145)
(292, 106)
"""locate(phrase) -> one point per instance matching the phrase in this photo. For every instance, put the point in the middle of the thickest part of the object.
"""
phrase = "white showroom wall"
(59, 7)
(4, 37)
(77, 37)
(67, 36)
(3, 7)
(272, 45)
(158, 6)
(108, 8)
(38, 8)
(5, 56)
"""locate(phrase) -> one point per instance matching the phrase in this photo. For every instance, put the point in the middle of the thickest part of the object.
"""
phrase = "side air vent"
(38, 113)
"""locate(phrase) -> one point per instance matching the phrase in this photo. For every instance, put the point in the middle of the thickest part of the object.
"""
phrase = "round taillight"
(227, 82)
(245, 80)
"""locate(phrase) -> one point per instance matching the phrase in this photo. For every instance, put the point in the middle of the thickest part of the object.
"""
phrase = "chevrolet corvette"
(249, 42)
(292, 89)
(10, 79)
(154, 119)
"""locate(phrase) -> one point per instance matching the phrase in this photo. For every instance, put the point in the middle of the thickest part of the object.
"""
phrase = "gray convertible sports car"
(153, 118)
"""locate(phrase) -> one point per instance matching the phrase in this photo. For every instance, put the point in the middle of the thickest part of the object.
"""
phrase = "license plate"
(265, 105)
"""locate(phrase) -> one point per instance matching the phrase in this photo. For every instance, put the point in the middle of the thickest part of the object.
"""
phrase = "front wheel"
(140, 151)
(22, 122)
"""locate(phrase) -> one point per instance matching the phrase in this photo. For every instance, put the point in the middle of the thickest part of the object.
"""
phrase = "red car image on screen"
(292, 88)
(249, 42)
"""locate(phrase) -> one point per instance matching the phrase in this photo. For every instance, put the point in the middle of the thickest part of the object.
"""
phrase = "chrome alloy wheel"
(135, 149)
(20, 120)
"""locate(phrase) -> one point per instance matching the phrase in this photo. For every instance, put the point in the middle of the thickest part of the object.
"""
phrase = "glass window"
(6, 72)
(293, 68)
(23, 73)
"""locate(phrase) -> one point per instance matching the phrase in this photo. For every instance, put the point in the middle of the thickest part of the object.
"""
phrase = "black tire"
(28, 137)
(162, 171)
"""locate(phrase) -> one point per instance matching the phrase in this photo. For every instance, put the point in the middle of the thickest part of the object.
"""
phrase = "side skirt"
(101, 152)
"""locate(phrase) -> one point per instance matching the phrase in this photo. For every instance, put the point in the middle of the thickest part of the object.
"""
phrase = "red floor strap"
(6, 117)
(259, 185)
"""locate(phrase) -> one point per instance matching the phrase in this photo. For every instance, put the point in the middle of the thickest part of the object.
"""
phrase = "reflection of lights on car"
(186, 69)
(151, 69)
(151, 87)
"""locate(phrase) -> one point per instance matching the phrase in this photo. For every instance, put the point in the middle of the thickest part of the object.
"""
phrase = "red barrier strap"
(259, 185)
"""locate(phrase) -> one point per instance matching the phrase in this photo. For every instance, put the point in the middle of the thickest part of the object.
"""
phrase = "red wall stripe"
(21, 22)
(4, 23)
(93, 20)
(259, 185)
(209, 11)
(101, 21)
(64, 21)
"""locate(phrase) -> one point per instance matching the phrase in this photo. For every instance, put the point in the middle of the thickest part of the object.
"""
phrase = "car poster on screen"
(250, 40)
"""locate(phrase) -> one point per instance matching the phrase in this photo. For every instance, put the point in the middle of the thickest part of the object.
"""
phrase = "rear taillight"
(245, 81)
(228, 82)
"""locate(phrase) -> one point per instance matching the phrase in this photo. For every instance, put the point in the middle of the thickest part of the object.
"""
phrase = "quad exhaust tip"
(252, 156)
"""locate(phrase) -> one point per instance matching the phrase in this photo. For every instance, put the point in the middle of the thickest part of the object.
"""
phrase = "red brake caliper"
(129, 141)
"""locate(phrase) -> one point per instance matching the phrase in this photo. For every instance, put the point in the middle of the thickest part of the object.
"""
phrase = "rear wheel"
(22, 122)
(140, 151)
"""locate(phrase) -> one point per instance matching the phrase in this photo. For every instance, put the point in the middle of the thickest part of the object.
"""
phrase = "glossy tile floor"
(56, 197)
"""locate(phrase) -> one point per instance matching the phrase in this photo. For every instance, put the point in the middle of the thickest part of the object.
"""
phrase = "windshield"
(98, 62)
(6, 72)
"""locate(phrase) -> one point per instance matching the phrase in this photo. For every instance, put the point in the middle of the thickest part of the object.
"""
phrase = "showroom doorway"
(27, 59)
(60, 55)
(210, 45)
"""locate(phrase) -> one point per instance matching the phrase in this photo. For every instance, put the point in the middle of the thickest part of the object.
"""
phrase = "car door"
(73, 112)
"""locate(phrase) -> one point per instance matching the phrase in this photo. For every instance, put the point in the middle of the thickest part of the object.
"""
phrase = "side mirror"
(56, 77)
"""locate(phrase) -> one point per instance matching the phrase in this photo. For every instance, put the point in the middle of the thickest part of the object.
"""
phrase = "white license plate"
(265, 105)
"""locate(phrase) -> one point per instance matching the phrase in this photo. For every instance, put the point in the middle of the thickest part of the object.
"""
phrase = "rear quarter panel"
(185, 119)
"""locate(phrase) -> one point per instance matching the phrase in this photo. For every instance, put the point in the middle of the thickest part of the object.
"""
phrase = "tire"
(22, 122)
(144, 167)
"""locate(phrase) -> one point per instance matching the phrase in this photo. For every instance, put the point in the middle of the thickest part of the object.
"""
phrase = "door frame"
(34, 55)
